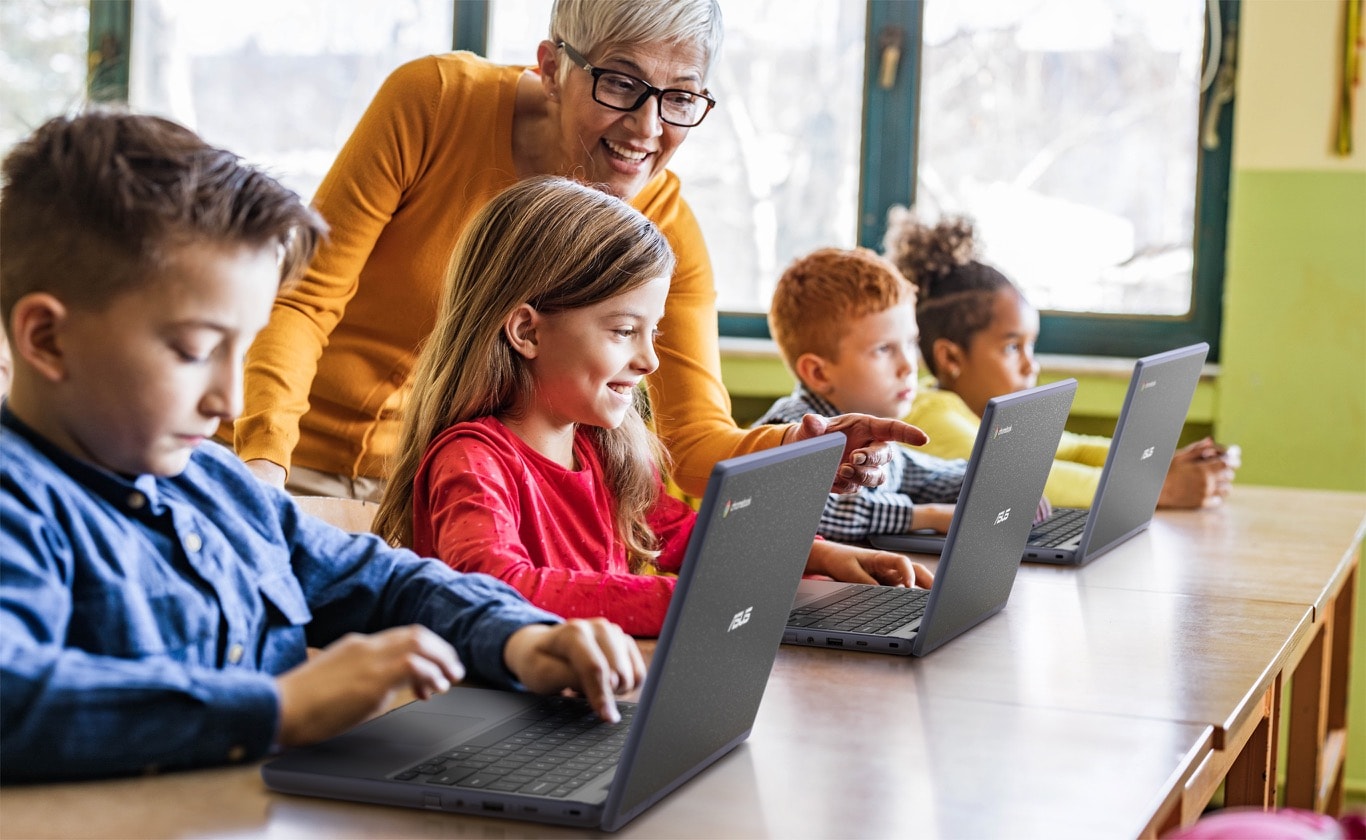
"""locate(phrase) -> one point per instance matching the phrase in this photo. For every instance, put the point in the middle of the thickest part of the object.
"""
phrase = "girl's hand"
(854, 564)
(1201, 475)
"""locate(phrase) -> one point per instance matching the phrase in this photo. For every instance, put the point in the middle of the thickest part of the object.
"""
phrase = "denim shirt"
(142, 620)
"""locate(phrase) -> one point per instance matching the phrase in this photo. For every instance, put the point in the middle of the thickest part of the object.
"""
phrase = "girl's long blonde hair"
(556, 245)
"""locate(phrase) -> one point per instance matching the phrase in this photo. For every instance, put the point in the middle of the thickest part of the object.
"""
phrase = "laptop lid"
(1149, 425)
(1146, 434)
(1011, 457)
(710, 667)
(1016, 442)
(706, 678)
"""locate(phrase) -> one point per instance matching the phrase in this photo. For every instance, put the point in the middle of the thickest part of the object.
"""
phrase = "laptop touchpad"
(423, 729)
(386, 744)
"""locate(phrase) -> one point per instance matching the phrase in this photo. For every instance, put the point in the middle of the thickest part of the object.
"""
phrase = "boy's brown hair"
(818, 294)
(93, 204)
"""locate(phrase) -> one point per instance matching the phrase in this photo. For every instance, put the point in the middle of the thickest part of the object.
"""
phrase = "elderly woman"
(615, 90)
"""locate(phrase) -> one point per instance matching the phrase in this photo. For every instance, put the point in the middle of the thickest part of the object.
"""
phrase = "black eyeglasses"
(624, 92)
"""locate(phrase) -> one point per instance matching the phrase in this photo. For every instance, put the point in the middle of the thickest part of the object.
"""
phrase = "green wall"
(1292, 391)
(1293, 387)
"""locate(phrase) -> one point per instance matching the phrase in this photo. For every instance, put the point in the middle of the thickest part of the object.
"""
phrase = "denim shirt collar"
(116, 489)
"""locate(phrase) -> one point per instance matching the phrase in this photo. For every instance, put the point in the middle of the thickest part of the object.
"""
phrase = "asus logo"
(1151, 383)
(734, 505)
(1000, 430)
(1147, 453)
(1002, 516)
(741, 619)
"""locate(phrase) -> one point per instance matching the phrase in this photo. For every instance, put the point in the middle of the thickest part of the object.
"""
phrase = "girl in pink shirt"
(524, 452)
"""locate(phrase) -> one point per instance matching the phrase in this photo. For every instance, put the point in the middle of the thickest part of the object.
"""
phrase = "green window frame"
(887, 176)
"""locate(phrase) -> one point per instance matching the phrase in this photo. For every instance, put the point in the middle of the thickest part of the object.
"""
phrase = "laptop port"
(492, 806)
(836, 642)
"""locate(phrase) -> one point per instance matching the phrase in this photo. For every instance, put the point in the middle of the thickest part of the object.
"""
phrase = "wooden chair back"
(348, 514)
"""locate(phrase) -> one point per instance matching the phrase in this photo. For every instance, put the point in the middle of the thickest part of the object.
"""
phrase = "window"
(43, 46)
(1072, 134)
(280, 83)
(1081, 122)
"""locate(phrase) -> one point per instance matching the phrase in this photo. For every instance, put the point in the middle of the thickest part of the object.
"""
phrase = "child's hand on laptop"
(1200, 475)
(359, 676)
(854, 564)
(932, 516)
(593, 656)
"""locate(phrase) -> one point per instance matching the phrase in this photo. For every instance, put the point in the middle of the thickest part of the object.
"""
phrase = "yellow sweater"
(952, 428)
(327, 379)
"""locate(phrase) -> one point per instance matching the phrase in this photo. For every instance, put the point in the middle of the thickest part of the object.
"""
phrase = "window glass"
(773, 171)
(280, 83)
(42, 63)
(1068, 132)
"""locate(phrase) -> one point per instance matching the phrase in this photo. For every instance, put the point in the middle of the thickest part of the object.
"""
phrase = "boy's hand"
(866, 450)
(358, 676)
(1200, 475)
(592, 656)
(853, 564)
(932, 516)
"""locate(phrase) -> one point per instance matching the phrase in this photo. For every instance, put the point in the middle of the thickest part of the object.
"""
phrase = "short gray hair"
(587, 25)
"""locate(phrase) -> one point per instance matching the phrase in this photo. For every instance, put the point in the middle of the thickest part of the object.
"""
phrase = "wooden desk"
(1104, 701)
(1300, 547)
(1193, 659)
(836, 752)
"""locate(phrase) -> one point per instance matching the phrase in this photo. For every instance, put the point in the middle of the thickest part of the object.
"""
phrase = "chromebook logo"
(732, 504)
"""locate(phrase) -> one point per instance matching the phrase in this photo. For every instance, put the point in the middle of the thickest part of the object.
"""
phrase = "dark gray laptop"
(1146, 434)
(477, 751)
(1014, 450)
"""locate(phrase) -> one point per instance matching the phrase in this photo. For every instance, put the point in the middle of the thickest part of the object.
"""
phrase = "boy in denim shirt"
(156, 600)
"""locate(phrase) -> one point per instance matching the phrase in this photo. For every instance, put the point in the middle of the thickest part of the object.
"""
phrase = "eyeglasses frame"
(577, 59)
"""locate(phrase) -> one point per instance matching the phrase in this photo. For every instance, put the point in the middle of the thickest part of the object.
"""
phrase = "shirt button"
(193, 543)
(237, 753)
(136, 501)
(235, 654)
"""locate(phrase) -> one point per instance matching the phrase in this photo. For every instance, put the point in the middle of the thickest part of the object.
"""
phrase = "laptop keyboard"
(1065, 524)
(551, 749)
(865, 609)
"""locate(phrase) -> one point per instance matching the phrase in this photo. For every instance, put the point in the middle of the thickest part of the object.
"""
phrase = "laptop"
(465, 751)
(1146, 434)
(1015, 445)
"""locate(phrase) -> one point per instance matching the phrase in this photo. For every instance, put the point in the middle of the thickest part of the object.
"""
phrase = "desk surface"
(1266, 543)
(1081, 710)
(830, 756)
(1059, 645)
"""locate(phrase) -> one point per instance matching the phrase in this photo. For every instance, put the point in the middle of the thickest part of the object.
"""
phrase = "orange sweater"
(326, 380)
